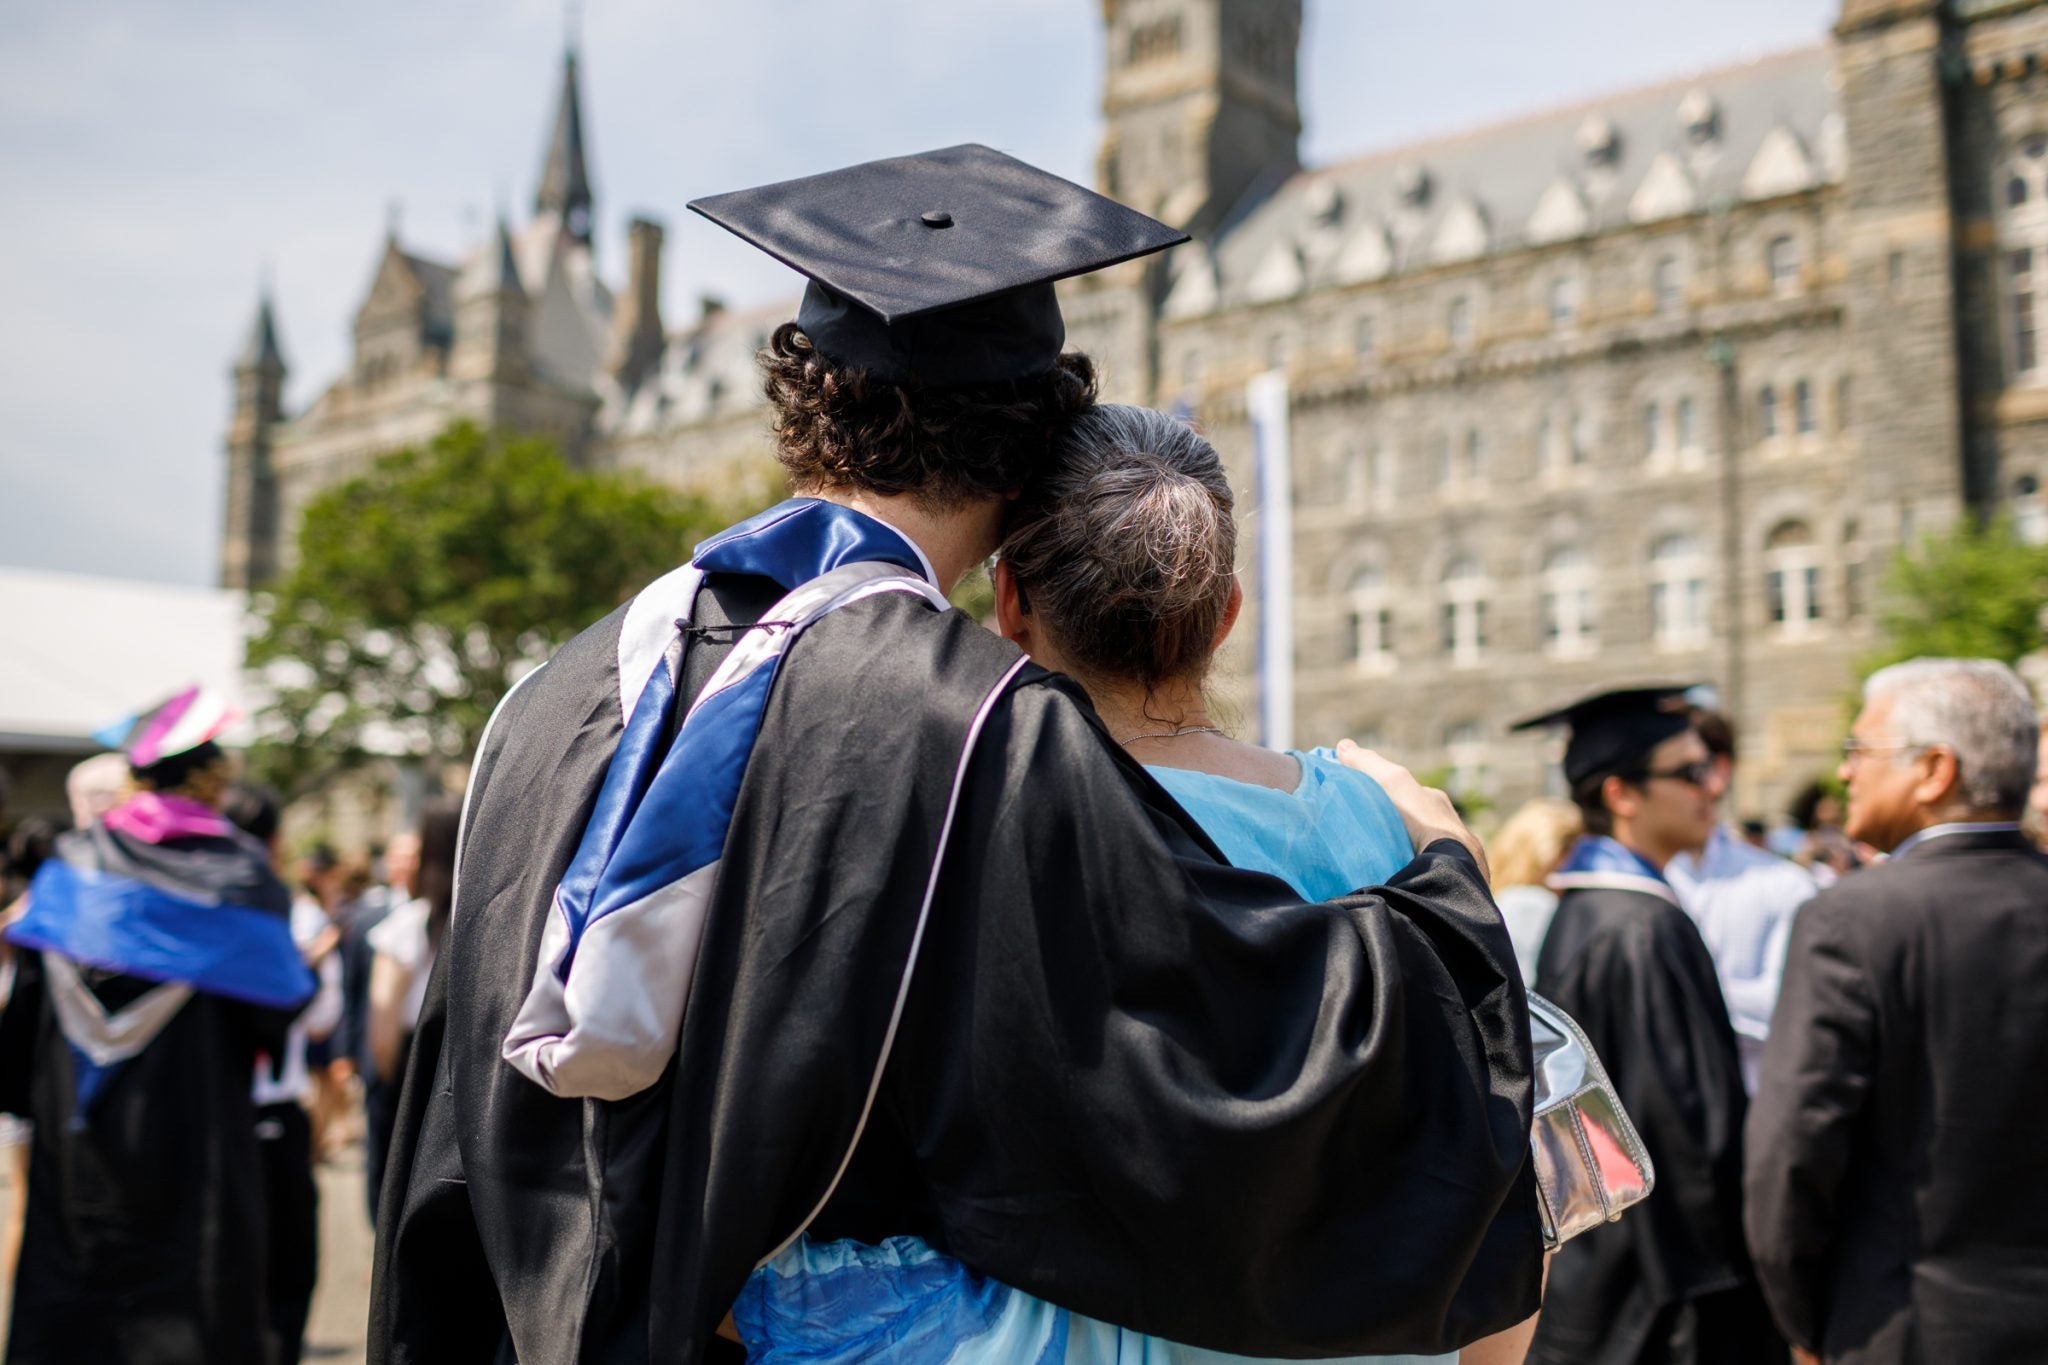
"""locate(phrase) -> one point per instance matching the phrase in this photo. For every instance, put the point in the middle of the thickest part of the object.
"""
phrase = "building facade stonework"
(1652, 388)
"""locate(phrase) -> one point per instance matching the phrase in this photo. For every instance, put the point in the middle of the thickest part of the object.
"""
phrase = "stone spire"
(565, 176)
(491, 315)
(261, 351)
(493, 269)
(249, 530)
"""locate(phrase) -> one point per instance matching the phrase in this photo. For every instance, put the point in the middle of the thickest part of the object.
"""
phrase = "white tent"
(77, 652)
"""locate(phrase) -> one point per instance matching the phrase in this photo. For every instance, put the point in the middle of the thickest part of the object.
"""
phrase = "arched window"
(2022, 209)
(1385, 477)
(1564, 302)
(1458, 322)
(1354, 474)
(1472, 471)
(1570, 620)
(1465, 752)
(1369, 623)
(1687, 436)
(1767, 412)
(1440, 460)
(1792, 578)
(1463, 614)
(1653, 430)
(1804, 421)
(1853, 587)
(1678, 593)
(2029, 510)
(1783, 258)
(1668, 285)
(1584, 433)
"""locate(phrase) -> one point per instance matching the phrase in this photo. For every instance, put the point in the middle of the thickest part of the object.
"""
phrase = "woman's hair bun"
(1126, 551)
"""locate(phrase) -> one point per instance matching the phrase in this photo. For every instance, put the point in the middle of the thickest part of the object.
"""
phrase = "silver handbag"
(1590, 1164)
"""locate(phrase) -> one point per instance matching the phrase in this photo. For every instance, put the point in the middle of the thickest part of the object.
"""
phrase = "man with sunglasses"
(1744, 900)
(1672, 1281)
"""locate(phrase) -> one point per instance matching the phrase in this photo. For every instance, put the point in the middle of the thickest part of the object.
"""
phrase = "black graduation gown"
(144, 1234)
(1127, 1078)
(1671, 1281)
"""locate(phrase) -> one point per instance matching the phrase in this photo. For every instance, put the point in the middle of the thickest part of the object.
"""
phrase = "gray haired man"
(1896, 1209)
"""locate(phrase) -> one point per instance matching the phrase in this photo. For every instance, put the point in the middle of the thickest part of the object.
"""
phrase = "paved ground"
(341, 1303)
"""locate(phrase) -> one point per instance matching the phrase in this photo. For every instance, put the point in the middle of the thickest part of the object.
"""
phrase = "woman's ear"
(1011, 621)
(1230, 611)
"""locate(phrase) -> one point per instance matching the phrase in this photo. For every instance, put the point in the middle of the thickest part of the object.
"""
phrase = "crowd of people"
(322, 1076)
(832, 979)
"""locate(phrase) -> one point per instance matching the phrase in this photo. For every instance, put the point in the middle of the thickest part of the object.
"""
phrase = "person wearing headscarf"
(168, 970)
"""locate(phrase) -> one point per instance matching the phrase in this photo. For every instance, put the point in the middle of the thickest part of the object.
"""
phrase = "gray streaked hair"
(1978, 708)
(1126, 548)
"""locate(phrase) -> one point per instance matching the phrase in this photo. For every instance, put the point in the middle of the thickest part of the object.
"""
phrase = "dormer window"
(1325, 203)
(1412, 183)
(1599, 141)
(1700, 116)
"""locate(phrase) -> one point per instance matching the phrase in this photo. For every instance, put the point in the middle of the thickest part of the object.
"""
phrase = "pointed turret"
(493, 269)
(249, 531)
(491, 312)
(565, 175)
(261, 351)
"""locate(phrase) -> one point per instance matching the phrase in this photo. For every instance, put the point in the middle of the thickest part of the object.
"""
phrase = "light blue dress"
(839, 1303)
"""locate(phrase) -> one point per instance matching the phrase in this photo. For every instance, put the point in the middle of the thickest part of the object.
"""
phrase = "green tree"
(424, 589)
(1976, 592)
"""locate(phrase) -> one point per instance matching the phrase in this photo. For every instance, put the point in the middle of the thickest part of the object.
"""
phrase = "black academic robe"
(143, 1240)
(1125, 1077)
(1671, 1281)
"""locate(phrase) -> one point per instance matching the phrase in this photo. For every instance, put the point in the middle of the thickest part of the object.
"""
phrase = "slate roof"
(1766, 127)
(437, 283)
(707, 370)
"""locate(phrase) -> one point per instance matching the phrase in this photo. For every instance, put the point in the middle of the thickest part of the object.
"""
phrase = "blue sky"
(159, 158)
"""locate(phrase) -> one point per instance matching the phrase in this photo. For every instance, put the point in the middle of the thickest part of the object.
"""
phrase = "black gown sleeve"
(20, 1020)
(1164, 1092)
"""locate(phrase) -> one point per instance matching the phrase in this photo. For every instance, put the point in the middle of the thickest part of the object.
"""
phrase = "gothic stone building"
(1646, 389)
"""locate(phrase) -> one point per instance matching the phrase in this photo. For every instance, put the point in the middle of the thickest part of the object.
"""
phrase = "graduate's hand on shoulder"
(1427, 812)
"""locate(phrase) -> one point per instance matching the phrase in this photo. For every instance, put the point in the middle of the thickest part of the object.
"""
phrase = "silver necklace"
(1175, 733)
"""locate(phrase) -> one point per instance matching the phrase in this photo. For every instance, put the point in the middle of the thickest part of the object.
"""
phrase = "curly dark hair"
(836, 426)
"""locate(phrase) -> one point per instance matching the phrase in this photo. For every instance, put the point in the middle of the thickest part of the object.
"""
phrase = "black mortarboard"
(939, 267)
(1613, 732)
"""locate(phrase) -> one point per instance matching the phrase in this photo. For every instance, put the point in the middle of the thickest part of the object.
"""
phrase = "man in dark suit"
(1897, 1208)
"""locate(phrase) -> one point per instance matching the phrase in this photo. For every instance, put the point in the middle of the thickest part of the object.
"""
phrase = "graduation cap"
(1614, 732)
(938, 267)
(178, 724)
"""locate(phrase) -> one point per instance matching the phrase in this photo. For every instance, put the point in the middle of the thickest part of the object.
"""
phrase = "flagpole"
(1266, 403)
